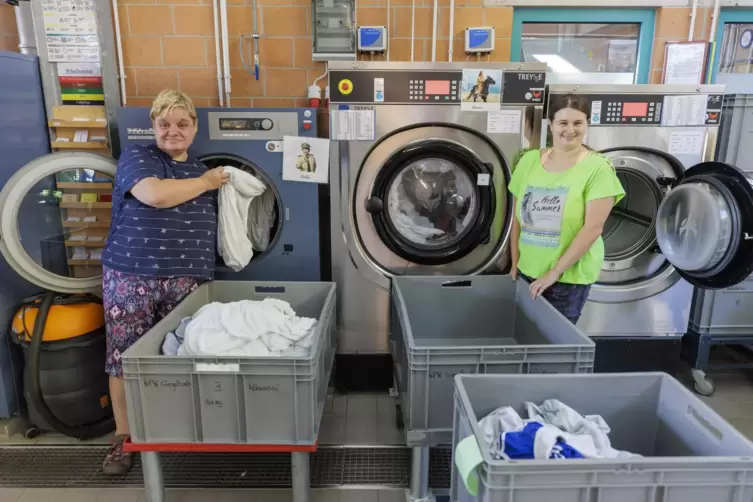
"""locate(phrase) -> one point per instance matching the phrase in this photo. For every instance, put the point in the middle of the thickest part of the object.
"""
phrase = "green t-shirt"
(551, 209)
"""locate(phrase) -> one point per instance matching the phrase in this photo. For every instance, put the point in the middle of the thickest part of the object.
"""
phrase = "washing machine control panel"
(259, 125)
(426, 87)
(665, 110)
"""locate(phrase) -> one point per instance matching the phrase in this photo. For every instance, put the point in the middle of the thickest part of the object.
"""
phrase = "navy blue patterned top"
(175, 242)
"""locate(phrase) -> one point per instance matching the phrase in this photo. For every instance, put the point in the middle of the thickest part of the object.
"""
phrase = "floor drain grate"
(75, 466)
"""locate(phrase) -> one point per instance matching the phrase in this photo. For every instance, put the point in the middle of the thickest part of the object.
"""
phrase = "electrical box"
(334, 32)
(372, 39)
(479, 40)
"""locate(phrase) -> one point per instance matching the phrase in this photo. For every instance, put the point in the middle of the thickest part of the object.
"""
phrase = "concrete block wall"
(170, 43)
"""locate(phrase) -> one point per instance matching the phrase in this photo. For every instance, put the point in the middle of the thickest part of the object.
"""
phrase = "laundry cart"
(685, 450)
(231, 404)
(444, 326)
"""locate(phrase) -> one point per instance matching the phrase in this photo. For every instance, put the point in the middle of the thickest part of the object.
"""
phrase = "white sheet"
(233, 231)
(248, 328)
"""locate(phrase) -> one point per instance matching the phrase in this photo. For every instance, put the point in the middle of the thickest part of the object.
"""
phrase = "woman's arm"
(514, 240)
(597, 212)
(167, 193)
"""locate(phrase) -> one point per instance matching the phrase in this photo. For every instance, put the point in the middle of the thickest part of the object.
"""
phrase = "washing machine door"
(705, 226)
(54, 219)
(433, 199)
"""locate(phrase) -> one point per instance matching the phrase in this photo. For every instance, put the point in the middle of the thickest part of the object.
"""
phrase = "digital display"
(634, 109)
(236, 125)
(437, 87)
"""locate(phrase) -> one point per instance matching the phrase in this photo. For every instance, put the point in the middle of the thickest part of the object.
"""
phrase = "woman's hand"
(215, 178)
(542, 283)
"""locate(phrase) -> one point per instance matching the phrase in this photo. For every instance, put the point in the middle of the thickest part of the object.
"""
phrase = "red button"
(345, 86)
(307, 126)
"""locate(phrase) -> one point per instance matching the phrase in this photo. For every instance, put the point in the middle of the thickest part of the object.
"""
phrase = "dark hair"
(562, 101)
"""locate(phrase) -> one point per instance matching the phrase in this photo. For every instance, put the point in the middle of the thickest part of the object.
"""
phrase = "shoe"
(117, 462)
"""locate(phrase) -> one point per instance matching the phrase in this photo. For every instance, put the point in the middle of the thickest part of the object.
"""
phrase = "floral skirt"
(135, 303)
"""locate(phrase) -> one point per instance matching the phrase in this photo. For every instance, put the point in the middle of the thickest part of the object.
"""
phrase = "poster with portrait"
(305, 159)
(481, 90)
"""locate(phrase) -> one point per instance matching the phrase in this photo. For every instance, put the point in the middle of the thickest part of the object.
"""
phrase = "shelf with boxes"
(79, 128)
(83, 196)
(85, 201)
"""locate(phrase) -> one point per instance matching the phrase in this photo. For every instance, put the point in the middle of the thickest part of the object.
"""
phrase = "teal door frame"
(645, 17)
(742, 16)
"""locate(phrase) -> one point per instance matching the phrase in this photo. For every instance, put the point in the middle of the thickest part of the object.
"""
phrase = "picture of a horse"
(481, 89)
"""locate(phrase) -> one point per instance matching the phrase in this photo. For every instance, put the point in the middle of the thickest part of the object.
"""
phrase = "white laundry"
(508, 434)
(235, 199)
(261, 217)
(248, 328)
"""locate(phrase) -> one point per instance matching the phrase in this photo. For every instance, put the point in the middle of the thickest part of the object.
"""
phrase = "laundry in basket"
(244, 328)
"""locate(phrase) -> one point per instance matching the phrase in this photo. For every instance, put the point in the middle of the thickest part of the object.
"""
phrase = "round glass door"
(264, 222)
(705, 226)
(432, 202)
(54, 219)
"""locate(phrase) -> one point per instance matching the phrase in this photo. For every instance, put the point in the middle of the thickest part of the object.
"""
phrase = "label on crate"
(217, 367)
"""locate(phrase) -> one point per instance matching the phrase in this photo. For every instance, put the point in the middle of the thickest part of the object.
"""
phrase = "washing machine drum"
(432, 201)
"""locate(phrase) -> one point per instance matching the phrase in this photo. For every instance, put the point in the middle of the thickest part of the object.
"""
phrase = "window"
(585, 45)
(734, 51)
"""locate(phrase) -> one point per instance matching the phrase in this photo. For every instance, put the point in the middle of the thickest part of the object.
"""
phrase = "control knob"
(266, 124)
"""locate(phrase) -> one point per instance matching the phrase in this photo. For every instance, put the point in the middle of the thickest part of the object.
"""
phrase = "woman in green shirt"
(562, 197)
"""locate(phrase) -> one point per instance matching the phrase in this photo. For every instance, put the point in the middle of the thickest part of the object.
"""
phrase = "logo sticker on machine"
(274, 146)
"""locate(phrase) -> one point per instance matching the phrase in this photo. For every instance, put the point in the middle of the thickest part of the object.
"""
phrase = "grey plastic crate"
(231, 400)
(691, 454)
(445, 326)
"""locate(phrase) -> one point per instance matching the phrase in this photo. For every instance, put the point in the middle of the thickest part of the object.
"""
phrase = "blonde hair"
(170, 99)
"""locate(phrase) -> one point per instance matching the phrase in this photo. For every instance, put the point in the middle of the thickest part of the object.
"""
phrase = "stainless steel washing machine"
(418, 186)
(682, 222)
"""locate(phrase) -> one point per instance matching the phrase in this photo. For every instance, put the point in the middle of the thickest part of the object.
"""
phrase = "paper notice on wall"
(686, 142)
(503, 122)
(352, 125)
(70, 28)
(681, 111)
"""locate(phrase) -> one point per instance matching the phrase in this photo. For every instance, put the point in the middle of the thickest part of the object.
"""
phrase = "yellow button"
(345, 86)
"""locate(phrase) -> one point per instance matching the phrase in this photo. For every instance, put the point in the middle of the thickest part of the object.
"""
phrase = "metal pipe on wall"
(225, 50)
(693, 15)
(434, 32)
(412, 30)
(217, 54)
(714, 19)
(119, 50)
(452, 30)
(27, 43)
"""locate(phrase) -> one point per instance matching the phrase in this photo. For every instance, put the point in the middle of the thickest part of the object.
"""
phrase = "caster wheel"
(399, 417)
(705, 387)
(31, 432)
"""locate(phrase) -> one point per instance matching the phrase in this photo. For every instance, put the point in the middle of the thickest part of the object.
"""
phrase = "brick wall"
(673, 25)
(8, 32)
(170, 43)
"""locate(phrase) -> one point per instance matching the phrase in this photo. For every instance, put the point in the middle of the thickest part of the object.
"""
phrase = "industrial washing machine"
(724, 317)
(418, 187)
(683, 222)
(251, 139)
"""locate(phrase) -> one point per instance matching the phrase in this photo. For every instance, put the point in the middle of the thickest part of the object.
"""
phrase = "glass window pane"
(736, 58)
(583, 52)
